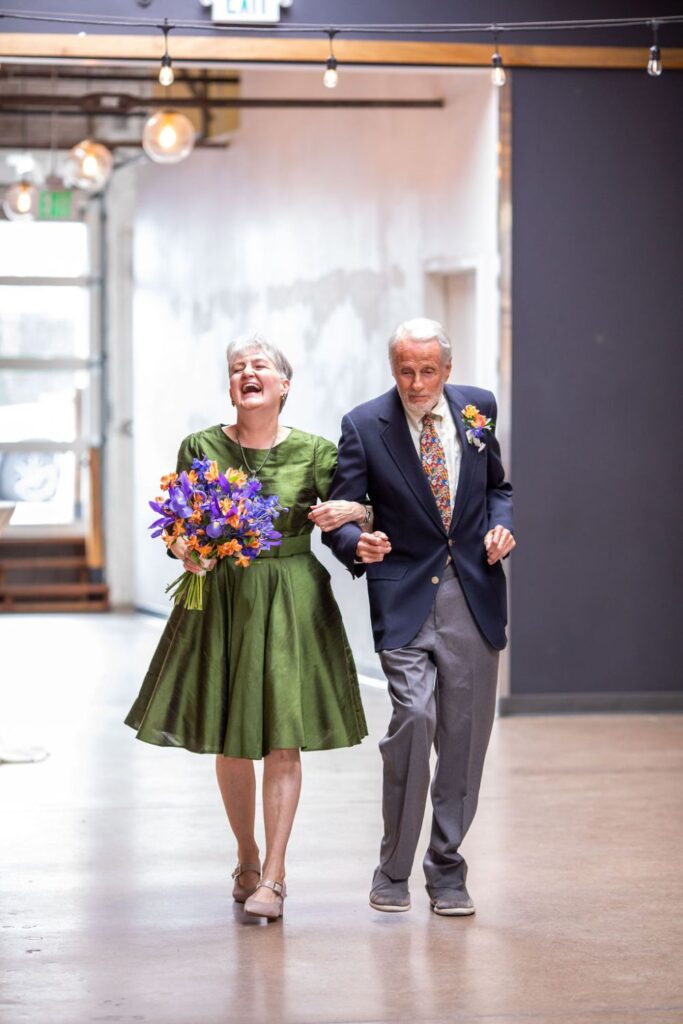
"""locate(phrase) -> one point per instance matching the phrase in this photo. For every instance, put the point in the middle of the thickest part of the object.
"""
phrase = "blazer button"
(435, 579)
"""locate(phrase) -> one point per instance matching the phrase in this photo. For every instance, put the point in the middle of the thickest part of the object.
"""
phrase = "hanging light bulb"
(21, 201)
(166, 75)
(654, 64)
(168, 137)
(331, 76)
(88, 166)
(498, 76)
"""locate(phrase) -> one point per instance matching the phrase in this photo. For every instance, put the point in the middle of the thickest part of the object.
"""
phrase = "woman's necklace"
(253, 472)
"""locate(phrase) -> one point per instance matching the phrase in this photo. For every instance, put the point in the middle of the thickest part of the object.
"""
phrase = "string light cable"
(331, 76)
(404, 28)
(654, 64)
(498, 76)
(388, 30)
(166, 75)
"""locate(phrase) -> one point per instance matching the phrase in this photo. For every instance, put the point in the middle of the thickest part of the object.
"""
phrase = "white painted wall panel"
(314, 227)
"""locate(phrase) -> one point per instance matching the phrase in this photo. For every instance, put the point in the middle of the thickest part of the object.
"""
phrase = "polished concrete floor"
(115, 863)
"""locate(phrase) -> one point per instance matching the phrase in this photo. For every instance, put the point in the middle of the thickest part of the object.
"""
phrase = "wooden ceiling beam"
(228, 49)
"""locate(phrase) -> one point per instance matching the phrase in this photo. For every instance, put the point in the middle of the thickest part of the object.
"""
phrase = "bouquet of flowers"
(218, 515)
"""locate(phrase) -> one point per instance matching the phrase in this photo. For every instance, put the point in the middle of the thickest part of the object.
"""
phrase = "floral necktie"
(434, 465)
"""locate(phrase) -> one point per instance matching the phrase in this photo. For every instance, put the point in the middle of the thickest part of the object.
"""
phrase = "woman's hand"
(179, 549)
(199, 569)
(329, 515)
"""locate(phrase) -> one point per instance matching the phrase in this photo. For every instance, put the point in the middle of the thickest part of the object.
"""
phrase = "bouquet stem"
(188, 590)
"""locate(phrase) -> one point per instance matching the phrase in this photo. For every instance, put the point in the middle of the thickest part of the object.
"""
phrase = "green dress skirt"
(266, 664)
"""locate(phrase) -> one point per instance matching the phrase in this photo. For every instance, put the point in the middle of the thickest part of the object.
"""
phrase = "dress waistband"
(289, 546)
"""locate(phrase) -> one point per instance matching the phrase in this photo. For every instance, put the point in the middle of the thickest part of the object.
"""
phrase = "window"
(50, 370)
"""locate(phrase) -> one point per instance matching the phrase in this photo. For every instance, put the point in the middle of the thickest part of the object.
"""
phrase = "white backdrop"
(317, 228)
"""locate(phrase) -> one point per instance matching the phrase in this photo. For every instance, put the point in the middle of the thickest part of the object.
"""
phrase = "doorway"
(451, 298)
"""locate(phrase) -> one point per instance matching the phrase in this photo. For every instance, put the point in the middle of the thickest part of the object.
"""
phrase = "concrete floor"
(115, 864)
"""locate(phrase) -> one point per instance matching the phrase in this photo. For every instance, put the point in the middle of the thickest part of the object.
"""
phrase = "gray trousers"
(443, 690)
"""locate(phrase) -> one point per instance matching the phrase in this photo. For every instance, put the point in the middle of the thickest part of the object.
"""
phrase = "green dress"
(266, 664)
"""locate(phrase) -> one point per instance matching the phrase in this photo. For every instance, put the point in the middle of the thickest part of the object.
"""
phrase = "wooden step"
(28, 544)
(48, 574)
(55, 597)
(19, 590)
(54, 606)
(12, 564)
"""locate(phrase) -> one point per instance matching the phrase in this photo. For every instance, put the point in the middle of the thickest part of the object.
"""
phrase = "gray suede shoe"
(389, 902)
(451, 904)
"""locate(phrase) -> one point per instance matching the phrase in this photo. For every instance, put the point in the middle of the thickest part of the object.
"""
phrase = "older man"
(426, 455)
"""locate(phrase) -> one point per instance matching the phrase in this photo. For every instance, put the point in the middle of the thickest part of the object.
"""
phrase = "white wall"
(119, 450)
(317, 228)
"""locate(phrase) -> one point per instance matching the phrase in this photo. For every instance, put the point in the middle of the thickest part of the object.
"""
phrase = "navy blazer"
(378, 461)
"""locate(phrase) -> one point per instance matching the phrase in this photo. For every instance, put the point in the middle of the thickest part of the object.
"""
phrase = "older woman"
(265, 670)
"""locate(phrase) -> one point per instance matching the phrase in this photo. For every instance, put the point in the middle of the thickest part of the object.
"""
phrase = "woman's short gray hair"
(424, 330)
(257, 343)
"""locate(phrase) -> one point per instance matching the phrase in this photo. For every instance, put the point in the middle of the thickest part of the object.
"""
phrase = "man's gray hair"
(257, 343)
(423, 330)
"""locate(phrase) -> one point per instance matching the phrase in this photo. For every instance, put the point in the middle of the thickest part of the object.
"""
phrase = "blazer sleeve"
(350, 483)
(498, 489)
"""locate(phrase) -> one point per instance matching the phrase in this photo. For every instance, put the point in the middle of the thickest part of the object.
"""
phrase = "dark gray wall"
(597, 306)
(409, 12)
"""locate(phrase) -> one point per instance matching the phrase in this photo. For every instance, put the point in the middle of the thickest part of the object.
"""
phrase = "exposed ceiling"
(55, 107)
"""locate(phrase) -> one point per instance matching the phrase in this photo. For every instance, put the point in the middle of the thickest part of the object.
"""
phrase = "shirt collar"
(439, 410)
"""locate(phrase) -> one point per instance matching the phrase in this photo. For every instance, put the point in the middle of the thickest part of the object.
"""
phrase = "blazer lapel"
(399, 443)
(457, 402)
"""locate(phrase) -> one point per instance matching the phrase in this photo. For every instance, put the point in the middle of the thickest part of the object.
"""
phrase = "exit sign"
(246, 12)
(55, 204)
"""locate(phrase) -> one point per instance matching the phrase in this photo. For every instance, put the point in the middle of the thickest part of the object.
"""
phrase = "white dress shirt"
(448, 435)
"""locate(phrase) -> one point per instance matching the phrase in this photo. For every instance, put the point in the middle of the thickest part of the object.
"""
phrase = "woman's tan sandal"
(241, 893)
(270, 909)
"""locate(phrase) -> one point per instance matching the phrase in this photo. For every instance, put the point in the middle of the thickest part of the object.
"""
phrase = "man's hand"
(498, 542)
(372, 547)
(329, 515)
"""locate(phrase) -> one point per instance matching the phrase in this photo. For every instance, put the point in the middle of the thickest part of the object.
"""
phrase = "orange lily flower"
(168, 481)
(231, 547)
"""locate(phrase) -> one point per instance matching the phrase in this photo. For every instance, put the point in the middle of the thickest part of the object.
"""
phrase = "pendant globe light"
(168, 137)
(88, 166)
(21, 201)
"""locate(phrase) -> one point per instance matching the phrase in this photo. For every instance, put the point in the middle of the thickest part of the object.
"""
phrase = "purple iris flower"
(201, 465)
(179, 506)
(185, 485)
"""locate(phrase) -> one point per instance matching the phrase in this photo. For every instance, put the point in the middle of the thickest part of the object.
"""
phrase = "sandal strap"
(277, 887)
(241, 868)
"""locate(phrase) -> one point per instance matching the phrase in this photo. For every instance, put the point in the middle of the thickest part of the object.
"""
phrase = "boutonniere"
(477, 426)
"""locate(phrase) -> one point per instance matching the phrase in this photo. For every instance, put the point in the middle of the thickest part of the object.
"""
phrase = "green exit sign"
(55, 205)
